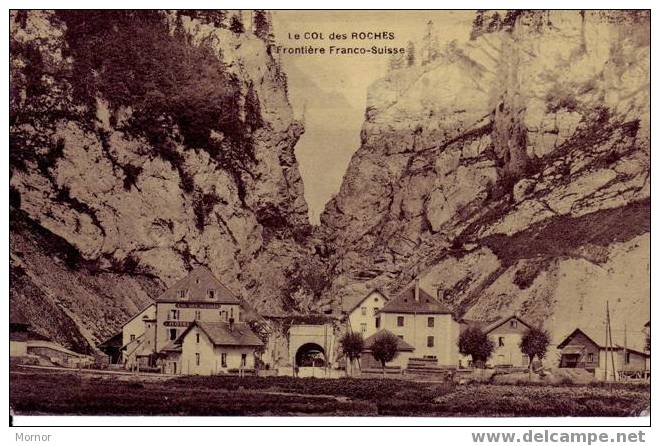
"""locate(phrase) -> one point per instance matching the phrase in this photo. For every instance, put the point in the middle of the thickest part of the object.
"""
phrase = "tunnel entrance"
(310, 355)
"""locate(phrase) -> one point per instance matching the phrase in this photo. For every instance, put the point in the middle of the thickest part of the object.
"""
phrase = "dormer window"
(183, 293)
(211, 294)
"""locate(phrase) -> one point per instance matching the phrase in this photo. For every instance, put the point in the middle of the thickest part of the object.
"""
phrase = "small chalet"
(588, 350)
(210, 348)
(506, 334)
(403, 349)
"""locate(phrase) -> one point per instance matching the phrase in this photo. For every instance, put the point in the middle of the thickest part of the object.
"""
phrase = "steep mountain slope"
(512, 172)
(144, 143)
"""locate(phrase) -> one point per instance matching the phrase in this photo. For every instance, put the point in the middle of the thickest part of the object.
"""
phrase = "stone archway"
(310, 355)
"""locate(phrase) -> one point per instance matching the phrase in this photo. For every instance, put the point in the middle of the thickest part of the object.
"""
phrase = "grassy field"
(39, 391)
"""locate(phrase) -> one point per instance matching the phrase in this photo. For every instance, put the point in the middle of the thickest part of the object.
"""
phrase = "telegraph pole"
(607, 321)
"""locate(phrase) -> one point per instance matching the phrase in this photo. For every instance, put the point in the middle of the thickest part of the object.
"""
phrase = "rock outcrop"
(139, 176)
(511, 172)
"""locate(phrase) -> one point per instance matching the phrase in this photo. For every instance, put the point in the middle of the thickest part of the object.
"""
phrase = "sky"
(329, 92)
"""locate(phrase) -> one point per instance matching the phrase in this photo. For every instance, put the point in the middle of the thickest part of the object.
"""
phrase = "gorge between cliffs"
(509, 172)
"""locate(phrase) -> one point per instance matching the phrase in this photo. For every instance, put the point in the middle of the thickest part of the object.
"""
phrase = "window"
(590, 357)
(400, 337)
(197, 358)
(243, 359)
(627, 357)
(211, 294)
(231, 312)
(376, 310)
(378, 322)
(399, 321)
(429, 341)
(514, 323)
(431, 322)
(197, 338)
(375, 299)
(172, 334)
(364, 311)
(198, 315)
(174, 314)
(183, 294)
(363, 328)
(223, 360)
(500, 341)
(132, 337)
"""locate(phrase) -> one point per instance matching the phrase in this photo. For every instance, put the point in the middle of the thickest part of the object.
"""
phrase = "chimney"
(417, 289)
(231, 324)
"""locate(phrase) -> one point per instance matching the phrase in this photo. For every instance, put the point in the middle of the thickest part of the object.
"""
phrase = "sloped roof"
(501, 321)
(597, 337)
(197, 284)
(171, 346)
(405, 303)
(115, 340)
(138, 314)
(349, 303)
(401, 345)
(220, 334)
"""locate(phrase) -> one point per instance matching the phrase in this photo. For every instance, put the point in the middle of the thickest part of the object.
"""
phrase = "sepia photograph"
(419, 214)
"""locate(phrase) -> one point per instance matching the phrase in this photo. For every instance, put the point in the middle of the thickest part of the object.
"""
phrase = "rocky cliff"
(144, 143)
(510, 171)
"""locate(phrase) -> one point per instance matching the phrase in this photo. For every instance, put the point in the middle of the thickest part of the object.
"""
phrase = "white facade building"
(361, 314)
(421, 321)
(198, 300)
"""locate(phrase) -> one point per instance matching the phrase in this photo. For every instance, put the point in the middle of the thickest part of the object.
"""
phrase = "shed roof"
(196, 286)
(115, 341)
(597, 337)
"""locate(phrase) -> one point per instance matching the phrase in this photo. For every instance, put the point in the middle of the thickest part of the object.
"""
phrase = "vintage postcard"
(440, 213)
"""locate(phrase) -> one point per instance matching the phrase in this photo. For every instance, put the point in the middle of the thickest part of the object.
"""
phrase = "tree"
(474, 342)
(236, 25)
(384, 348)
(534, 344)
(262, 26)
(410, 58)
(352, 345)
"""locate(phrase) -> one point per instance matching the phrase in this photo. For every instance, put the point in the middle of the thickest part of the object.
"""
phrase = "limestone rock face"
(506, 162)
(125, 209)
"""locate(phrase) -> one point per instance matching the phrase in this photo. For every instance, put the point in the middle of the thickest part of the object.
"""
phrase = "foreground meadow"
(40, 391)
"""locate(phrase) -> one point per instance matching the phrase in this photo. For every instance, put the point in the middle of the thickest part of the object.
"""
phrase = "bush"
(131, 58)
(202, 205)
